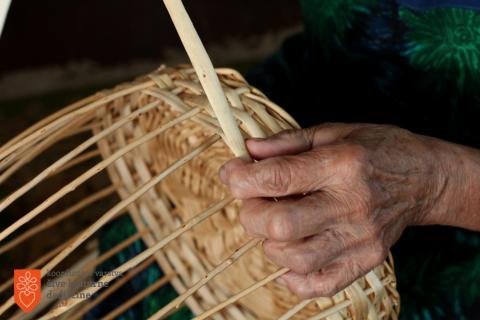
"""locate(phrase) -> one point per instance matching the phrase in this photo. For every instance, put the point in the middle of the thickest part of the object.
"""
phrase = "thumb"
(284, 143)
(291, 142)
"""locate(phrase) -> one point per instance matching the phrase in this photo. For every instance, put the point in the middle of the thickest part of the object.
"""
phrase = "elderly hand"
(344, 194)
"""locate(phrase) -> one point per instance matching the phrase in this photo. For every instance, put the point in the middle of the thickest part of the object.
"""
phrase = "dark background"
(111, 32)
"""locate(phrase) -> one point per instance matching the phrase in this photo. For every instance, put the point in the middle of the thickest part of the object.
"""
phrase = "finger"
(284, 143)
(275, 177)
(325, 283)
(291, 142)
(308, 255)
(290, 218)
(335, 277)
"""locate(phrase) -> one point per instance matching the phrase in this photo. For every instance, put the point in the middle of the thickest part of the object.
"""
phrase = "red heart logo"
(27, 298)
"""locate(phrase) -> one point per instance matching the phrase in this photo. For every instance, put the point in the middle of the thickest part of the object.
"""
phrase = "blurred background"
(53, 52)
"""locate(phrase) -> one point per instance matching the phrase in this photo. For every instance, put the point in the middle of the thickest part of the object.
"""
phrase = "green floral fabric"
(445, 41)
(379, 61)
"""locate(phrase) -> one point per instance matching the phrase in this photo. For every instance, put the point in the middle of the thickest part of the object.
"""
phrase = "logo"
(27, 286)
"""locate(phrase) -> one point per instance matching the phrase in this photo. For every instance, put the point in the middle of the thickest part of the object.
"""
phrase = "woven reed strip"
(211, 296)
(116, 249)
(322, 315)
(112, 288)
(72, 154)
(149, 239)
(137, 298)
(209, 276)
(145, 254)
(120, 206)
(88, 174)
(68, 117)
(26, 148)
(19, 154)
(290, 313)
(343, 305)
(78, 160)
(29, 151)
(124, 203)
(58, 218)
(35, 150)
(42, 123)
(242, 294)
(144, 215)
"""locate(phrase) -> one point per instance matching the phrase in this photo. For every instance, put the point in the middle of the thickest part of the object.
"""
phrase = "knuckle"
(302, 291)
(302, 264)
(235, 185)
(375, 233)
(276, 179)
(335, 239)
(246, 221)
(379, 253)
(326, 288)
(354, 158)
(289, 133)
(361, 204)
(280, 228)
(353, 268)
(270, 251)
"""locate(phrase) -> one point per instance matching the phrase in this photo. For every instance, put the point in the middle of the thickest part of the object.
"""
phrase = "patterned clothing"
(413, 63)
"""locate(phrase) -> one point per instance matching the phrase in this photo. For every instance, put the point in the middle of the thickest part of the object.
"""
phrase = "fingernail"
(255, 140)
(223, 174)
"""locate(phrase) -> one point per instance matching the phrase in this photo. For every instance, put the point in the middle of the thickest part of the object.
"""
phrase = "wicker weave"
(162, 147)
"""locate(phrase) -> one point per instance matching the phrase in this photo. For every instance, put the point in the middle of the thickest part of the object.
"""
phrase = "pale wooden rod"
(207, 76)
(57, 218)
(62, 112)
(33, 151)
(242, 294)
(112, 288)
(4, 5)
(138, 297)
(295, 309)
(67, 118)
(177, 302)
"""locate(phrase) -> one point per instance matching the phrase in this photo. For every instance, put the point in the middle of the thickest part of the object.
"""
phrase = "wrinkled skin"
(331, 200)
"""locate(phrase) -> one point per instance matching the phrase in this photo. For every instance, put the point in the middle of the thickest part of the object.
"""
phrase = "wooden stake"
(207, 76)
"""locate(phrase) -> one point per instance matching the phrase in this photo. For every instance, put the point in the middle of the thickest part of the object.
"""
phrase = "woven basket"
(162, 147)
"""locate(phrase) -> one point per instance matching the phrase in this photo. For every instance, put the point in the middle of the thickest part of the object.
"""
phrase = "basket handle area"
(208, 77)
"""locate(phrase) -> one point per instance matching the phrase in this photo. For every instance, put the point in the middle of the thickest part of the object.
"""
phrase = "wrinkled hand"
(345, 193)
